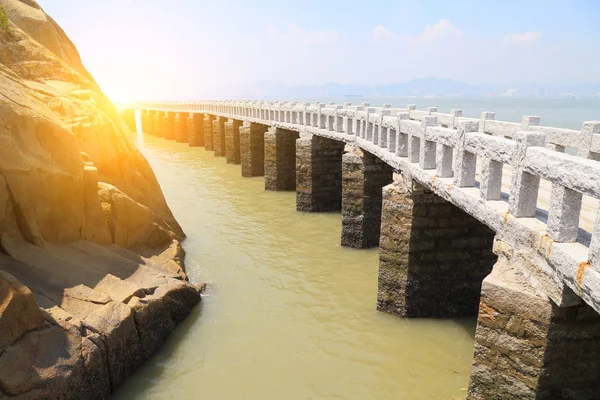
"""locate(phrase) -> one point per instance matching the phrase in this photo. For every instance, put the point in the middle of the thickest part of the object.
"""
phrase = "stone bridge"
(472, 217)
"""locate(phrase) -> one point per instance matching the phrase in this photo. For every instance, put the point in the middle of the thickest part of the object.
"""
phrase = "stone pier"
(219, 136)
(526, 347)
(146, 122)
(196, 130)
(432, 255)
(252, 152)
(232, 141)
(157, 128)
(169, 125)
(363, 178)
(318, 174)
(280, 159)
(181, 127)
(208, 132)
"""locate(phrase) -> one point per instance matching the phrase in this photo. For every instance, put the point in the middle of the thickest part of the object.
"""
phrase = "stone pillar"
(432, 255)
(318, 174)
(219, 136)
(232, 141)
(526, 347)
(181, 128)
(208, 132)
(196, 130)
(169, 125)
(158, 124)
(280, 159)
(363, 178)
(146, 122)
(252, 149)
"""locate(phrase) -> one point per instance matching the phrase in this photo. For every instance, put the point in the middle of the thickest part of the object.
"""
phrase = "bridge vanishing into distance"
(471, 216)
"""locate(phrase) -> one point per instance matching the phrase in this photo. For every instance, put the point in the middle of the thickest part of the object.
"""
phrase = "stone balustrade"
(464, 160)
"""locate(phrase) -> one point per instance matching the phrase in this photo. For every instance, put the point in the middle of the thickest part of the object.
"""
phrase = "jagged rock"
(19, 312)
(85, 230)
(179, 297)
(46, 362)
(153, 320)
(96, 378)
(115, 323)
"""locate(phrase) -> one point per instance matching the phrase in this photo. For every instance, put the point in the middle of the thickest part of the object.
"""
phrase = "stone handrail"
(441, 152)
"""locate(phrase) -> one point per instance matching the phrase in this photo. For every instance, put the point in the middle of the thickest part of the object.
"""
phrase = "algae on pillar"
(169, 125)
(318, 174)
(280, 159)
(208, 132)
(181, 128)
(219, 136)
(526, 347)
(196, 130)
(232, 141)
(252, 153)
(363, 178)
(432, 255)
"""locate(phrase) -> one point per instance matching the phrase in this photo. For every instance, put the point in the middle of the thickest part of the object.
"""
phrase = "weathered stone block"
(318, 174)
(169, 126)
(526, 347)
(280, 159)
(219, 136)
(252, 153)
(208, 132)
(363, 177)
(422, 272)
(232, 141)
(181, 128)
(196, 130)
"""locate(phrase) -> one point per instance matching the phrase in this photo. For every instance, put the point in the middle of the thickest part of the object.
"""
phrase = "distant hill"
(415, 87)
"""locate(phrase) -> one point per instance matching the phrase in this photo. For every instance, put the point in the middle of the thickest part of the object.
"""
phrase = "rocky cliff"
(91, 271)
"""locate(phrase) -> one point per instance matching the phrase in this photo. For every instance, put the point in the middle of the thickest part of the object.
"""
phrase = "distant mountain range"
(430, 87)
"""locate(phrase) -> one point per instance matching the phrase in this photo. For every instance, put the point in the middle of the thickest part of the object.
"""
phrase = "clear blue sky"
(184, 49)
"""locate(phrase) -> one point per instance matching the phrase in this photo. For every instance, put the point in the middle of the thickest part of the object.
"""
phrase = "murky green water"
(290, 313)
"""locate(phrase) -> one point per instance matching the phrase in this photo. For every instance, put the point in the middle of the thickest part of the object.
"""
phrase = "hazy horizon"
(195, 49)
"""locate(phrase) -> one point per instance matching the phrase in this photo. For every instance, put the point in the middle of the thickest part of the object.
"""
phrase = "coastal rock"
(19, 313)
(92, 276)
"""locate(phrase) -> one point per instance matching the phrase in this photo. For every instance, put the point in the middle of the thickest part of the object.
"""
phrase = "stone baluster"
(401, 138)
(455, 113)
(485, 116)
(466, 162)
(444, 160)
(588, 131)
(383, 131)
(427, 151)
(594, 254)
(525, 186)
(563, 215)
(491, 179)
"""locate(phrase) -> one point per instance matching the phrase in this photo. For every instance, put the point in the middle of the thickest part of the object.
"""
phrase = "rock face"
(91, 270)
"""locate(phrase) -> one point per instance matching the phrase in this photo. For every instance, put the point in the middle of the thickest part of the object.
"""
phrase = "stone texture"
(181, 127)
(318, 174)
(159, 124)
(280, 159)
(252, 152)
(232, 141)
(528, 348)
(433, 256)
(169, 125)
(19, 312)
(196, 130)
(208, 132)
(219, 136)
(363, 178)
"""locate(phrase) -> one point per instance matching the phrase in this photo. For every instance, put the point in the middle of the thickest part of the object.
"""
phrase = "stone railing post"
(588, 130)
(525, 186)
(563, 215)
(466, 162)
(595, 244)
(428, 148)
(485, 116)
(401, 138)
